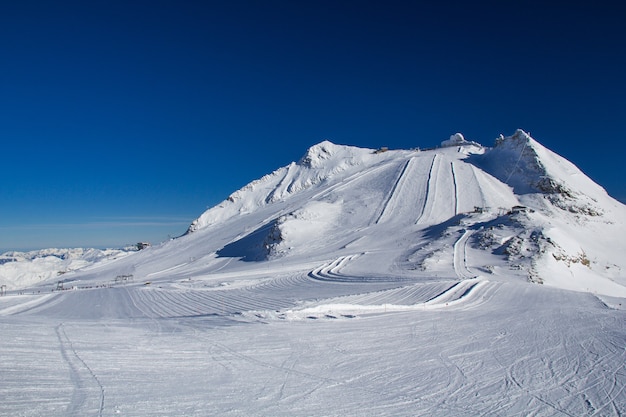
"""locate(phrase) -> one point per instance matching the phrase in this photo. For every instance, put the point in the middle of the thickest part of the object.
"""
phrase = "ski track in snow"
(352, 323)
(350, 180)
(427, 195)
(387, 207)
(441, 191)
(84, 402)
(456, 189)
(460, 256)
(373, 344)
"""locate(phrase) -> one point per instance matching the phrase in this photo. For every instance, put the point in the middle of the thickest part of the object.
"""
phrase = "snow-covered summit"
(320, 162)
(326, 153)
(530, 168)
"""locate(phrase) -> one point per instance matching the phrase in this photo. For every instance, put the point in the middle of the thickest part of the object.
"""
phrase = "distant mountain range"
(23, 269)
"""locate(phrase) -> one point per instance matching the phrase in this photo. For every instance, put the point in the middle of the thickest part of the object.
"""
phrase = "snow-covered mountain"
(520, 209)
(24, 269)
(353, 282)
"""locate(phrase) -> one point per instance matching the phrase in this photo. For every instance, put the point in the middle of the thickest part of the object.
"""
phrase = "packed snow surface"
(455, 281)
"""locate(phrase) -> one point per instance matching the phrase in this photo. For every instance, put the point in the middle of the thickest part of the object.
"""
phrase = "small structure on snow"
(521, 209)
(124, 278)
(456, 139)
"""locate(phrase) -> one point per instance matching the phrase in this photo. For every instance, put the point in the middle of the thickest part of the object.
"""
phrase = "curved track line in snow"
(460, 256)
(270, 295)
(280, 187)
(480, 188)
(331, 272)
(429, 190)
(560, 377)
(397, 185)
(290, 368)
(163, 271)
(78, 366)
(462, 295)
(456, 189)
(31, 304)
(467, 293)
(411, 294)
(349, 180)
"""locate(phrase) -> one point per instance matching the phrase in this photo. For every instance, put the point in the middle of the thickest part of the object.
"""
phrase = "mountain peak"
(526, 165)
(317, 154)
(516, 210)
(530, 168)
(519, 137)
(330, 156)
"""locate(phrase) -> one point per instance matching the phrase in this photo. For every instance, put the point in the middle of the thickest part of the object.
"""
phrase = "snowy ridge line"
(274, 194)
(398, 184)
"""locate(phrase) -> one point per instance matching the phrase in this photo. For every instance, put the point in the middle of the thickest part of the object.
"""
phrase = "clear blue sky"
(122, 121)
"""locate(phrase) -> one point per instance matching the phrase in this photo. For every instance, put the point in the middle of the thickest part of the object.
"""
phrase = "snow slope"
(353, 282)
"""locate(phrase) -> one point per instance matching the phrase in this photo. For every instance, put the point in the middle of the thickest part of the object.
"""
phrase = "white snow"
(24, 269)
(455, 281)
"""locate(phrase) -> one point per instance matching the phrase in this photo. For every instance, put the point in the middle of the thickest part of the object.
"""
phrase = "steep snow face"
(320, 163)
(305, 229)
(573, 238)
(528, 167)
(330, 158)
